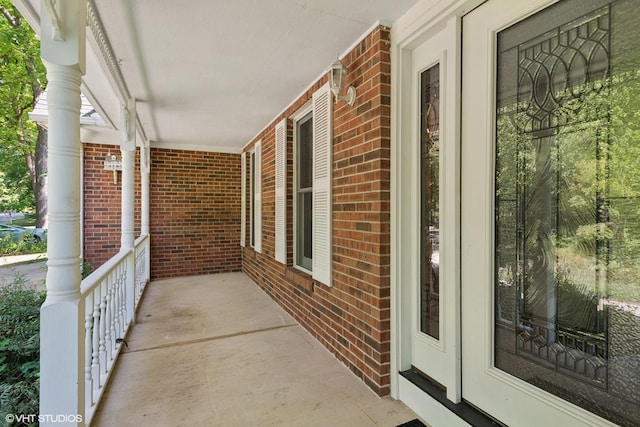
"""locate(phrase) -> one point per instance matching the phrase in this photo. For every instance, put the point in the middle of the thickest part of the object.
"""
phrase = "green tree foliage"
(23, 143)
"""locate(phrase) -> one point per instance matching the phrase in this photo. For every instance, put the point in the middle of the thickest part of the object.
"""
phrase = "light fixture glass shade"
(337, 76)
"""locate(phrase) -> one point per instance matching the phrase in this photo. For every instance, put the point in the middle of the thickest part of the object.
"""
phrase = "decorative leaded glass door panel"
(551, 211)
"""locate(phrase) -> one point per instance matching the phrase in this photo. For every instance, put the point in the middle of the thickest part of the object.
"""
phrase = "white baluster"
(140, 263)
(111, 301)
(95, 363)
(121, 295)
(136, 280)
(107, 321)
(116, 306)
(126, 316)
(104, 332)
(87, 352)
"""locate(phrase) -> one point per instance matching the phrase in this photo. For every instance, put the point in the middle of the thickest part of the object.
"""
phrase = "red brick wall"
(351, 318)
(195, 213)
(194, 210)
(102, 204)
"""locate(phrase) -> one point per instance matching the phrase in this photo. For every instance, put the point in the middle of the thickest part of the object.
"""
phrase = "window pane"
(430, 202)
(305, 153)
(304, 229)
(567, 205)
(308, 224)
(304, 191)
(252, 203)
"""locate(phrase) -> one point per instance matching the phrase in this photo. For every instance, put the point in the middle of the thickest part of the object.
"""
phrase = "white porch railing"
(143, 266)
(111, 295)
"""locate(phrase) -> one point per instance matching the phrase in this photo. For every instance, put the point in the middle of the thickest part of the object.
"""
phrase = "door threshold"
(463, 410)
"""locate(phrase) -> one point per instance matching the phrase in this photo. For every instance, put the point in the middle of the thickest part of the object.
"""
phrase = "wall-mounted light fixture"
(337, 75)
(113, 163)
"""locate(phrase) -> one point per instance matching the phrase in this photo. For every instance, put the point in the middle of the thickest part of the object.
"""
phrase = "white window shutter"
(257, 200)
(322, 165)
(243, 198)
(281, 192)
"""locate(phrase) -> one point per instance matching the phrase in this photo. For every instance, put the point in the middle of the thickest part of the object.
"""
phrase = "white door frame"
(407, 35)
(437, 358)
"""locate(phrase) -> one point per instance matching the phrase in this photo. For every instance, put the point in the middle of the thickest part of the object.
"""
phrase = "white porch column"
(62, 314)
(145, 169)
(145, 227)
(128, 151)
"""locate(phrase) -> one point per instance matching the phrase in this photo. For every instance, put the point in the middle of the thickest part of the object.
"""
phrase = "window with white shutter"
(256, 197)
(312, 186)
(281, 192)
(322, 166)
(243, 198)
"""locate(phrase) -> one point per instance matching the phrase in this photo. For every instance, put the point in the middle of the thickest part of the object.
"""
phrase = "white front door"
(550, 275)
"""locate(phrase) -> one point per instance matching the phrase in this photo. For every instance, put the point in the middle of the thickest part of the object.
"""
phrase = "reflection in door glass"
(567, 273)
(430, 202)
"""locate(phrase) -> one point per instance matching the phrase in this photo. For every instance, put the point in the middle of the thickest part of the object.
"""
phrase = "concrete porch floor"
(217, 351)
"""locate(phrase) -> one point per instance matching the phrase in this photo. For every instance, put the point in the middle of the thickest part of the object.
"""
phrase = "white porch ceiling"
(211, 74)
